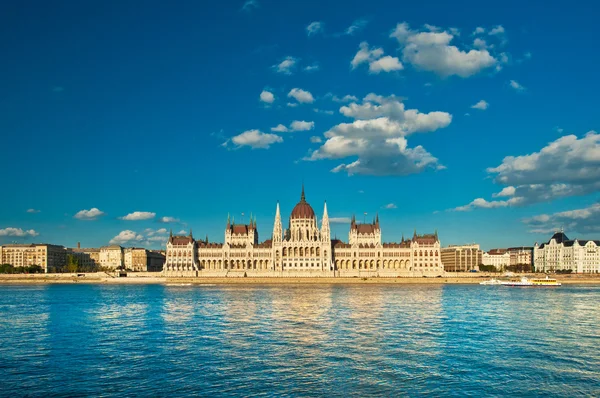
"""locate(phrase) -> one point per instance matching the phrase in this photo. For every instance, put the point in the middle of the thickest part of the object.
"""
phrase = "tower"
(277, 228)
(325, 231)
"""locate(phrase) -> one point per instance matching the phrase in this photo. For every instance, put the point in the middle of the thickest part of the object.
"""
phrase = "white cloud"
(125, 237)
(150, 232)
(182, 232)
(480, 43)
(256, 139)
(385, 64)
(280, 128)
(314, 28)
(484, 204)
(481, 105)
(316, 140)
(390, 206)
(267, 97)
(291, 104)
(584, 220)
(345, 98)
(168, 220)
(301, 125)
(365, 54)
(516, 85)
(376, 138)
(286, 66)
(311, 68)
(33, 211)
(326, 112)
(479, 30)
(89, 215)
(138, 215)
(356, 26)
(250, 5)
(498, 30)
(568, 166)
(18, 232)
(301, 96)
(431, 51)
(374, 57)
(340, 220)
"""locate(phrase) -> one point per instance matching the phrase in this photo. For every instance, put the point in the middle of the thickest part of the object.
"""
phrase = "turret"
(325, 231)
(277, 228)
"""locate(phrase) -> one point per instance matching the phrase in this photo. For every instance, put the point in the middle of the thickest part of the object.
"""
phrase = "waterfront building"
(521, 256)
(499, 258)
(50, 257)
(304, 249)
(561, 253)
(87, 258)
(462, 258)
(111, 257)
(140, 259)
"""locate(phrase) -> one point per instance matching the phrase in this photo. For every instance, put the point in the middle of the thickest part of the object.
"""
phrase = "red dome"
(303, 209)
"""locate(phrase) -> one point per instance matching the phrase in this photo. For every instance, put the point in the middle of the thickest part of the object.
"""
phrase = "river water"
(298, 340)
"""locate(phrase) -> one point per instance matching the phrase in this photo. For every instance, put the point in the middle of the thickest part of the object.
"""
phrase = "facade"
(303, 248)
(561, 253)
(140, 259)
(521, 256)
(112, 257)
(50, 257)
(463, 258)
(88, 258)
(499, 258)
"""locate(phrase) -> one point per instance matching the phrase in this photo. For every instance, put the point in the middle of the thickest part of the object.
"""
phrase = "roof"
(267, 243)
(427, 238)
(559, 237)
(181, 240)
(303, 209)
(239, 229)
(364, 229)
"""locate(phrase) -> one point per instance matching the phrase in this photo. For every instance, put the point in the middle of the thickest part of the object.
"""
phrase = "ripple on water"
(82, 340)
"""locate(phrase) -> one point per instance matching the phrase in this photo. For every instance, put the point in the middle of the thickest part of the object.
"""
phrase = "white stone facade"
(112, 257)
(500, 260)
(303, 249)
(560, 253)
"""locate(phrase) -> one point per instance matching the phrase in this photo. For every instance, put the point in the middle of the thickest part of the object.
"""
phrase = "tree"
(72, 263)
(7, 269)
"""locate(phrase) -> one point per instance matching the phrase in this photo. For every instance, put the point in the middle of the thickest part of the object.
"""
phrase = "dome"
(303, 209)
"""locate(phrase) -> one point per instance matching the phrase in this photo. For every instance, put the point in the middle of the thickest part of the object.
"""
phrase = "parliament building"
(303, 249)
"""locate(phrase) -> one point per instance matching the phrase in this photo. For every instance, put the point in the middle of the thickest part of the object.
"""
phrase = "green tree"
(7, 269)
(72, 263)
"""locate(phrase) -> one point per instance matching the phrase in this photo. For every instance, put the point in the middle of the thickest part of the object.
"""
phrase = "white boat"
(524, 282)
(492, 281)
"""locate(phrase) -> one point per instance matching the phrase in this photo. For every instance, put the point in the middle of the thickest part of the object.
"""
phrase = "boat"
(492, 281)
(537, 282)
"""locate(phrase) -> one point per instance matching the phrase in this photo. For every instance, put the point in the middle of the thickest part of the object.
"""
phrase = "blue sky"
(473, 119)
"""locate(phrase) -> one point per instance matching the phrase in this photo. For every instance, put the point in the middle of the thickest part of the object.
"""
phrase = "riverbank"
(148, 278)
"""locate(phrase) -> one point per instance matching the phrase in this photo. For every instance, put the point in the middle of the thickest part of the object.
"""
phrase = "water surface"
(317, 340)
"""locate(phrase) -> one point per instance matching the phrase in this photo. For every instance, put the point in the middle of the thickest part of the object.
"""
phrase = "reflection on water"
(298, 340)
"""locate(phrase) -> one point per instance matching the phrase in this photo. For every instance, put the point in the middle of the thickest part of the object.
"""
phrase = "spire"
(277, 228)
(277, 213)
(228, 221)
(171, 233)
(415, 233)
(207, 239)
(190, 232)
(325, 231)
(402, 236)
(325, 211)
(302, 197)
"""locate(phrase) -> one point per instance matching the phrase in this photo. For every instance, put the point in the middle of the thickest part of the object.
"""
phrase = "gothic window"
(301, 252)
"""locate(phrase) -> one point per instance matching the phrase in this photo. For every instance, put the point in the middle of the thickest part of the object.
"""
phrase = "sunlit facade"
(303, 249)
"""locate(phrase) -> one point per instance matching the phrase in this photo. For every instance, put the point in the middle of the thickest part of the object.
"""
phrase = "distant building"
(521, 256)
(457, 258)
(111, 257)
(499, 258)
(88, 258)
(305, 249)
(50, 257)
(562, 253)
(140, 259)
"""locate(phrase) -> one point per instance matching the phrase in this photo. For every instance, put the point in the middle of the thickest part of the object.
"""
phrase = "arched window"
(301, 252)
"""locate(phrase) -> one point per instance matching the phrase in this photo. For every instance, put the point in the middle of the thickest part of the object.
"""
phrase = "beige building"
(499, 258)
(462, 258)
(304, 248)
(111, 257)
(50, 257)
(521, 256)
(88, 258)
(139, 259)
(561, 253)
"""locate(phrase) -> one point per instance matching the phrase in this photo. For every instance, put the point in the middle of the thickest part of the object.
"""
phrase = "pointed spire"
(277, 213)
(302, 197)
(415, 233)
(207, 239)
(325, 214)
(228, 221)
(402, 236)
(190, 232)
(171, 233)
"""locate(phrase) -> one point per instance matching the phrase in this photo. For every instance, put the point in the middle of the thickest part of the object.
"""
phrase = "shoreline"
(103, 278)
